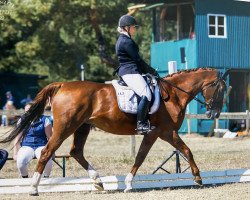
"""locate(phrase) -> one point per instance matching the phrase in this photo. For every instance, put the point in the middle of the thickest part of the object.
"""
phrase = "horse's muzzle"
(216, 114)
(212, 114)
(208, 114)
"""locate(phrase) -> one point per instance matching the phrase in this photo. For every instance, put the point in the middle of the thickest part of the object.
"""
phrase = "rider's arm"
(48, 127)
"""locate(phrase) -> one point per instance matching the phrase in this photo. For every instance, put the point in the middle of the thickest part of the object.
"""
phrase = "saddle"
(128, 100)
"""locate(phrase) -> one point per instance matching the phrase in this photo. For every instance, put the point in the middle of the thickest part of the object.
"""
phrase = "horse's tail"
(35, 111)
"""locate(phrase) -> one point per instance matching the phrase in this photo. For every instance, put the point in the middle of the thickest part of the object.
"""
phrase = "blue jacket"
(35, 136)
(3, 157)
(130, 61)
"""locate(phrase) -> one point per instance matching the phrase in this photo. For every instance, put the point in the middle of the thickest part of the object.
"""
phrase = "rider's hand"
(155, 73)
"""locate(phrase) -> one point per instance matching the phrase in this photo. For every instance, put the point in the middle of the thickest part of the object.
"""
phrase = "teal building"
(204, 33)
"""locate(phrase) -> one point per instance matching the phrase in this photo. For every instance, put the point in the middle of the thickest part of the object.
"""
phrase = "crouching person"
(32, 143)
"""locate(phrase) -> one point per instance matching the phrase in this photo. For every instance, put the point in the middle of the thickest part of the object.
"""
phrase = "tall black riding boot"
(143, 125)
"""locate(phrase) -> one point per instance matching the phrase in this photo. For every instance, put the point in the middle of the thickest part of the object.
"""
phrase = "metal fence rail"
(223, 115)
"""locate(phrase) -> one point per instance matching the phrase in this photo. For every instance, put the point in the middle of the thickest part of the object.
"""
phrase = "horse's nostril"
(216, 115)
(208, 113)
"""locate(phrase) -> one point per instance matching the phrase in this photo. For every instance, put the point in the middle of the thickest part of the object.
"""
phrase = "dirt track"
(223, 192)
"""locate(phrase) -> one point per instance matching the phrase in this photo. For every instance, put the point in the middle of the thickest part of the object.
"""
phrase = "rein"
(190, 94)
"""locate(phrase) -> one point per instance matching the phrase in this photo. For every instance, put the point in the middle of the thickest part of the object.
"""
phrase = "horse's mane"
(190, 70)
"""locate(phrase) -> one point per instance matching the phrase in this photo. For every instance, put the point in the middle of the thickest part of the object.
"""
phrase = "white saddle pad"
(127, 100)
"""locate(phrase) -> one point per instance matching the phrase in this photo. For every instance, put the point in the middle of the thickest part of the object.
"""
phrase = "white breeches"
(25, 155)
(137, 83)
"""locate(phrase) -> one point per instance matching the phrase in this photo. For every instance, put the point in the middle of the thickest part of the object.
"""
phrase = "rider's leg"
(137, 83)
(143, 125)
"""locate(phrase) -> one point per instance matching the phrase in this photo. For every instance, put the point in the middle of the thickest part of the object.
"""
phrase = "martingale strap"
(175, 86)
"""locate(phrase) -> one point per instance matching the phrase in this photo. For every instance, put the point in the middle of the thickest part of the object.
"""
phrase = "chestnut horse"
(78, 105)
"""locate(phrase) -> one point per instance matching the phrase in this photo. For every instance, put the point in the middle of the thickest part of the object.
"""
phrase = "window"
(174, 22)
(217, 26)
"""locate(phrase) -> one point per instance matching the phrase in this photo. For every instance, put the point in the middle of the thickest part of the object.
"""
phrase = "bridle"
(211, 104)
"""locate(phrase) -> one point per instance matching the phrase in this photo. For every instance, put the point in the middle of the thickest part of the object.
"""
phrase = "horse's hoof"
(127, 190)
(33, 194)
(99, 186)
(198, 182)
(33, 191)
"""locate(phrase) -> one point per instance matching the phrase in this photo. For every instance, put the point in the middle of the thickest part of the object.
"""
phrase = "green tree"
(53, 37)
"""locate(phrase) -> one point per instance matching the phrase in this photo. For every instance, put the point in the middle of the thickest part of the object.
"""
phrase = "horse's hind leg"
(80, 137)
(178, 143)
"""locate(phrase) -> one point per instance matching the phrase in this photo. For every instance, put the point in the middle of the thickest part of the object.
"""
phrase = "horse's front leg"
(46, 154)
(146, 145)
(55, 141)
(178, 143)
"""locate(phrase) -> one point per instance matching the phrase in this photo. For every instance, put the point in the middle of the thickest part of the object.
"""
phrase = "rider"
(131, 68)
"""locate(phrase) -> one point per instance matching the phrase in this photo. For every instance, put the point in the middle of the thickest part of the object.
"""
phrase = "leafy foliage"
(54, 37)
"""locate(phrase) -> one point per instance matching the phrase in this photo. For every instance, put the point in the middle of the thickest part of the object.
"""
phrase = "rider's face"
(133, 30)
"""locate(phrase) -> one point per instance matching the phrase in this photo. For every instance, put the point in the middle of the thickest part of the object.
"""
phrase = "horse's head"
(214, 94)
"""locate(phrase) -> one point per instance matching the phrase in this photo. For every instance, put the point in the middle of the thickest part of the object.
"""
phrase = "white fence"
(223, 115)
(13, 186)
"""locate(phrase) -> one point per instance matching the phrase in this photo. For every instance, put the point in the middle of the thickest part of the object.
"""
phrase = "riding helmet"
(127, 20)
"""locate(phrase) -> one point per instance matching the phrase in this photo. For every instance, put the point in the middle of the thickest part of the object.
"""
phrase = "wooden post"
(178, 23)
(247, 122)
(189, 125)
(132, 145)
(217, 123)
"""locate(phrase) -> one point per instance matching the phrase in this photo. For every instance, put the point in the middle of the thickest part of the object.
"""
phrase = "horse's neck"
(193, 83)
(190, 83)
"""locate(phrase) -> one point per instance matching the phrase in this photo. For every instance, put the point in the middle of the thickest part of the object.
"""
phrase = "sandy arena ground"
(110, 155)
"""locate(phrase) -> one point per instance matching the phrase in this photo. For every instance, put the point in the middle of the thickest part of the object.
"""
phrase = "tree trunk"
(102, 47)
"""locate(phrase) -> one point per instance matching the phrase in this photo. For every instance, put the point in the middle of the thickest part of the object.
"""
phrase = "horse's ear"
(224, 76)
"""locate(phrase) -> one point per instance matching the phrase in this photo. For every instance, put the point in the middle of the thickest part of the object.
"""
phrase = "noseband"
(212, 104)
